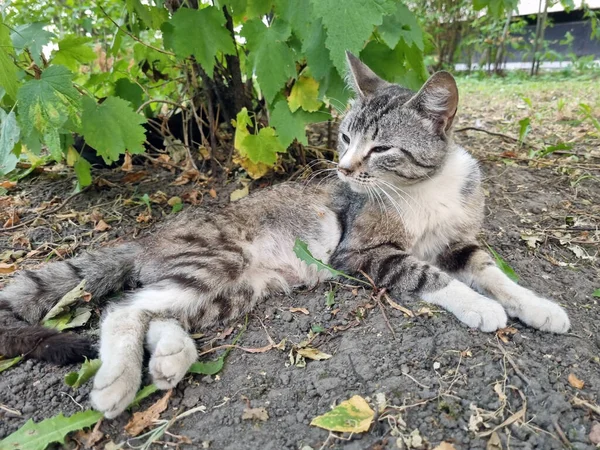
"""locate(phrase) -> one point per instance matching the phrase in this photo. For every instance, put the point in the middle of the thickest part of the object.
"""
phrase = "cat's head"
(392, 134)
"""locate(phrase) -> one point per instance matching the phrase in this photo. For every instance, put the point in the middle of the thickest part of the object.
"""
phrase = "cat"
(405, 208)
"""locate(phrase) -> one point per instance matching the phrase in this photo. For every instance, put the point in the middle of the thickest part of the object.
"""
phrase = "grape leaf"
(351, 416)
(88, 370)
(112, 128)
(73, 51)
(384, 61)
(83, 169)
(349, 24)
(33, 37)
(304, 95)
(267, 51)
(201, 33)
(317, 54)
(290, 126)
(129, 91)
(37, 436)
(8, 70)
(9, 136)
(402, 24)
(263, 147)
(47, 103)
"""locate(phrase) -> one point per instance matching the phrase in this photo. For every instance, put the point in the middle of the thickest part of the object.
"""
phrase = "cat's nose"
(344, 170)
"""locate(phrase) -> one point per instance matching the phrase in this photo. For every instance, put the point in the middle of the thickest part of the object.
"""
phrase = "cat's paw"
(171, 360)
(544, 315)
(114, 389)
(486, 315)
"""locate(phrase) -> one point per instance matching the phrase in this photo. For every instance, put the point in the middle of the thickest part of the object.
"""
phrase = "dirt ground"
(441, 380)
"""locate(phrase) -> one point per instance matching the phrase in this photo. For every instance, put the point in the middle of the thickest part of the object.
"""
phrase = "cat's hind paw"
(486, 315)
(171, 360)
(114, 389)
(544, 315)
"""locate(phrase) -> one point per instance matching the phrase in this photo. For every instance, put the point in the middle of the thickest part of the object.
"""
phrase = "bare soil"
(441, 380)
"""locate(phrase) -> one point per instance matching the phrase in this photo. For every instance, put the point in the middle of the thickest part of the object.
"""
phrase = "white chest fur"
(436, 212)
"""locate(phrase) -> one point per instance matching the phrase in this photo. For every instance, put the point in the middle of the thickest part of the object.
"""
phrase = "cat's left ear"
(364, 80)
(438, 100)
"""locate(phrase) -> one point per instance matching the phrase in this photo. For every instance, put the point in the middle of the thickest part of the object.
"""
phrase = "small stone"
(286, 316)
(207, 379)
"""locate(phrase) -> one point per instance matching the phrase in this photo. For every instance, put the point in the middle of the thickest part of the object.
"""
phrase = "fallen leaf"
(301, 310)
(8, 184)
(595, 433)
(238, 193)
(127, 165)
(88, 370)
(401, 308)
(186, 177)
(92, 437)
(255, 414)
(212, 193)
(445, 446)
(69, 298)
(494, 443)
(8, 363)
(12, 220)
(143, 419)
(102, 226)
(173, 201)
(575, 382)
(500, 392)
(504, 333)
(191, 197)
(424, 311)
(312, 353)
(143, 217)
(134, 177)
(350, 416)
(7, 268)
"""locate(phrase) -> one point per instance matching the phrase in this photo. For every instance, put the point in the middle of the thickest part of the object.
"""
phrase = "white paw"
(544, 315)
(485, 314)
(114, 389)
(171, 360)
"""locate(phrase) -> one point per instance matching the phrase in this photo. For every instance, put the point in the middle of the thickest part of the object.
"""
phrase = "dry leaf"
(255, 414)
(238, 194)
(301, 310)
(143, 419)
(127, 166)
(13, 220)
(445, 446)
(494, 443)
(90, 438)
(191, 197)
(212, 193)
(8, 184)
(401, 308)
(312, 353)
(575, 382)
(186, 177)
(159, 197)
(424, 311)
(134, 177)
(143, 217)
(7, 268)
(102, 226)
(351, 416)
(500, 392)
(504, 333)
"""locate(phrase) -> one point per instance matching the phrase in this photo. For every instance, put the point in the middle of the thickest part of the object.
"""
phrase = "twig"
(157, 100)
(513, 365)
(483, 130)
(579, 402)
(560, 433)
(377, 298)
(52, 211)
(11, 411)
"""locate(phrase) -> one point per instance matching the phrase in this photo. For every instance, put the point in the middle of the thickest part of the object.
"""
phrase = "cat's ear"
(364, 80)
(438, 100)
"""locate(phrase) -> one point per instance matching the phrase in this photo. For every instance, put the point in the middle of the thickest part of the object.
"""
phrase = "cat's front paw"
(114, 389)
(544, 315)
(171, 360)
(486, 314)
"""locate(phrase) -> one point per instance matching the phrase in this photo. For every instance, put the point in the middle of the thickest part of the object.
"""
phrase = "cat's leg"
(173, 352)
(400, 272)
(476, 268)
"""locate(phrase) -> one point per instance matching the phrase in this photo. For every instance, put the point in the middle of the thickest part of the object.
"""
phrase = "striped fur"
(406, 209)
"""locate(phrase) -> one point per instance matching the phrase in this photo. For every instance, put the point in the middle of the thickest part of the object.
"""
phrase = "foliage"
(351, 416)
(8, 363)
(88, 370)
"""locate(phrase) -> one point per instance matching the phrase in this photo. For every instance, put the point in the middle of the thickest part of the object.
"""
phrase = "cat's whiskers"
(394, 203)
(398, 192)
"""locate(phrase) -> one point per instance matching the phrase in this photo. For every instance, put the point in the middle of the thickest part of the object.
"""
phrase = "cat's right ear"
(364, 80)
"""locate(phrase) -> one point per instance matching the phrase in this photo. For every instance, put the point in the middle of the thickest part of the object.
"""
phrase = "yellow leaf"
(7, 268)
(445, 446)
(575, 382)
(254, 170)
(304, 95)
(351, 416)
(238, 193)
(313, 353)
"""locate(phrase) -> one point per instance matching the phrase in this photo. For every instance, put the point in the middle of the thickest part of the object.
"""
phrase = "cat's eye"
(345, 138)
(380, 149)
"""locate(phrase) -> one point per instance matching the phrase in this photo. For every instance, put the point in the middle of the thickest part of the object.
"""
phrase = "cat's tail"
(32, 293)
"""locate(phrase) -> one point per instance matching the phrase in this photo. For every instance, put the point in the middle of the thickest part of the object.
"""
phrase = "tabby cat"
(405, 208)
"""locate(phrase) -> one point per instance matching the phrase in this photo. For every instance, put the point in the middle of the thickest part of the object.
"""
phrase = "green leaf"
(73, 51)
(70, 319)
(88, 370)
(32, 37)
(524, 128)
(112, 128)
(129, 91)
(330, 298)
(201, 33)
(37, 436)
(68, 299)
(290, 126)
(267, 51)
(8, 363)
(596, 293)
(303, 253)
(208, 367)
(304, 95)
(9, 136)
(503, 265)
(146, 391)
(47, 103)
(350, 416)
(83, 170)
(402, 24)
(8, 70)
(263, 147)
(349, 24)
